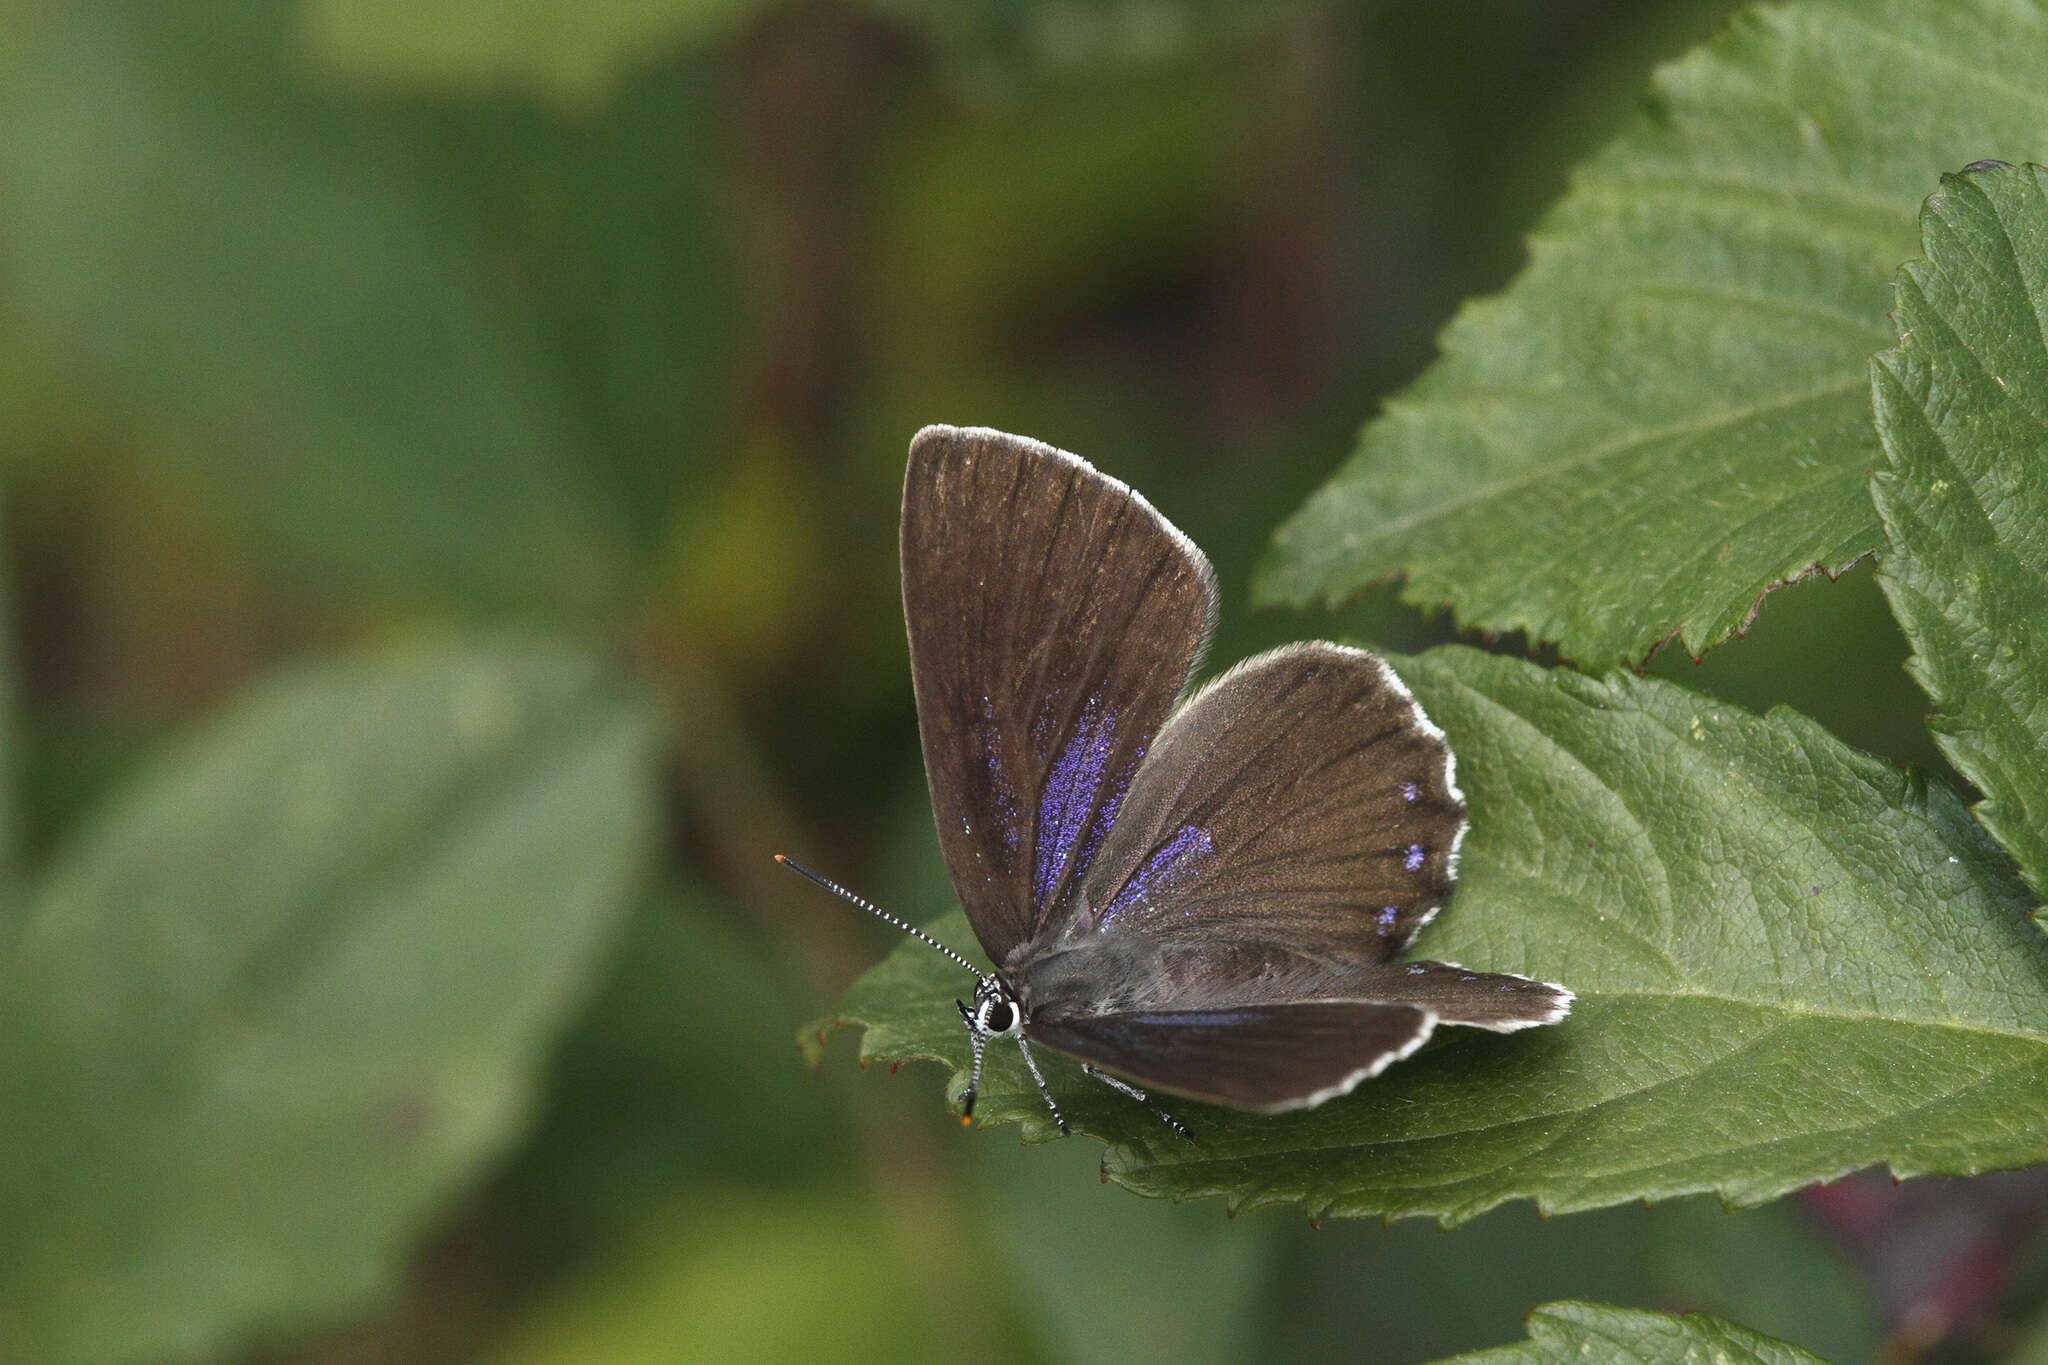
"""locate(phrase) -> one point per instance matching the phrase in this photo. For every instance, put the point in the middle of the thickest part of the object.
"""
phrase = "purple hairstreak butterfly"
(1201, 893)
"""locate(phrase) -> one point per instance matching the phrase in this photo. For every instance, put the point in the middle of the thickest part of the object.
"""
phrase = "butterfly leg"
(1031, 1062)
(977, 1040)
(1115, 1083)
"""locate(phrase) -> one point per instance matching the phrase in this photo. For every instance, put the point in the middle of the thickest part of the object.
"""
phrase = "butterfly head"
(995, 1012)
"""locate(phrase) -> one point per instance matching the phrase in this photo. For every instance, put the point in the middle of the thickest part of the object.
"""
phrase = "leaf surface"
(276, 1005)
(575, 55)
(1570, 1332)
(280, 288)
(1666, 414)
(1792, 961)
(1962, 405)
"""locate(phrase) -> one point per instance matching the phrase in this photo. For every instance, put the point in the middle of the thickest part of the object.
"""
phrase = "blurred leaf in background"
(573, 54)
(1769, 1266)
(267, 1011)
(648, 1100)
(394, 338)
(747, 1277)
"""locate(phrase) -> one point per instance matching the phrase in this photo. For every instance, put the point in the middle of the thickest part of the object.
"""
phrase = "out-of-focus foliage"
(269, 1010)
(396, 340)
(572, 53)
(363, 1002)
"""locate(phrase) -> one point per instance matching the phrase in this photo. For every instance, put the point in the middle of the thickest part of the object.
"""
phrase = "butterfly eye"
(998, 1017)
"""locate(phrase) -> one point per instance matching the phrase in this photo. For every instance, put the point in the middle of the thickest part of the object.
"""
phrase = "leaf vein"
(1631, 443)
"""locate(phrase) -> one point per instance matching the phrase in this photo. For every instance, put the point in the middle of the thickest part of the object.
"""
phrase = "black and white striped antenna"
(878, 912)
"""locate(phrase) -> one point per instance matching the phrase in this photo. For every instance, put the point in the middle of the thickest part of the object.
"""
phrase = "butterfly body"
(1203, 892)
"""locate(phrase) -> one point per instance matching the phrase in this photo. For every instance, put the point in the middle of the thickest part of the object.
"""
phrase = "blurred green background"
(330, 325)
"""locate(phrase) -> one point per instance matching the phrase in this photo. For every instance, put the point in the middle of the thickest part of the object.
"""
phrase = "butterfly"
(1202, 892)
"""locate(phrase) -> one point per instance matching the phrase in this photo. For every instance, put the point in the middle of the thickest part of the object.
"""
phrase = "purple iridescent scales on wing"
(1171, 868)
(1068, 806)
(1001, 798)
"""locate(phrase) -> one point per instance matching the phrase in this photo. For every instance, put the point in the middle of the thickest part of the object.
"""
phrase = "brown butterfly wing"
(1054, 618)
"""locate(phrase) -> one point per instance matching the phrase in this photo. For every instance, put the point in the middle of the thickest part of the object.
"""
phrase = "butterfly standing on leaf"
(1201, 896)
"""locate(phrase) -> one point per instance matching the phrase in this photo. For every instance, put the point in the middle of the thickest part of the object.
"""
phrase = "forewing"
(1054, 617)
(1302, 800)
(1266, 1058)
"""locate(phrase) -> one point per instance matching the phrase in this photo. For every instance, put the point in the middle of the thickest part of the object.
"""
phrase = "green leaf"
(263, 276)
(743, 1276)
(1792, 961)
(1665, 416)
(1070, 1254)
(1777, 1267)
(574, 54)
(1570, 1332)
(677, 1074)
(2031, 1348)
(1962, 406)
(279, 1003)
(1770, 1266)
